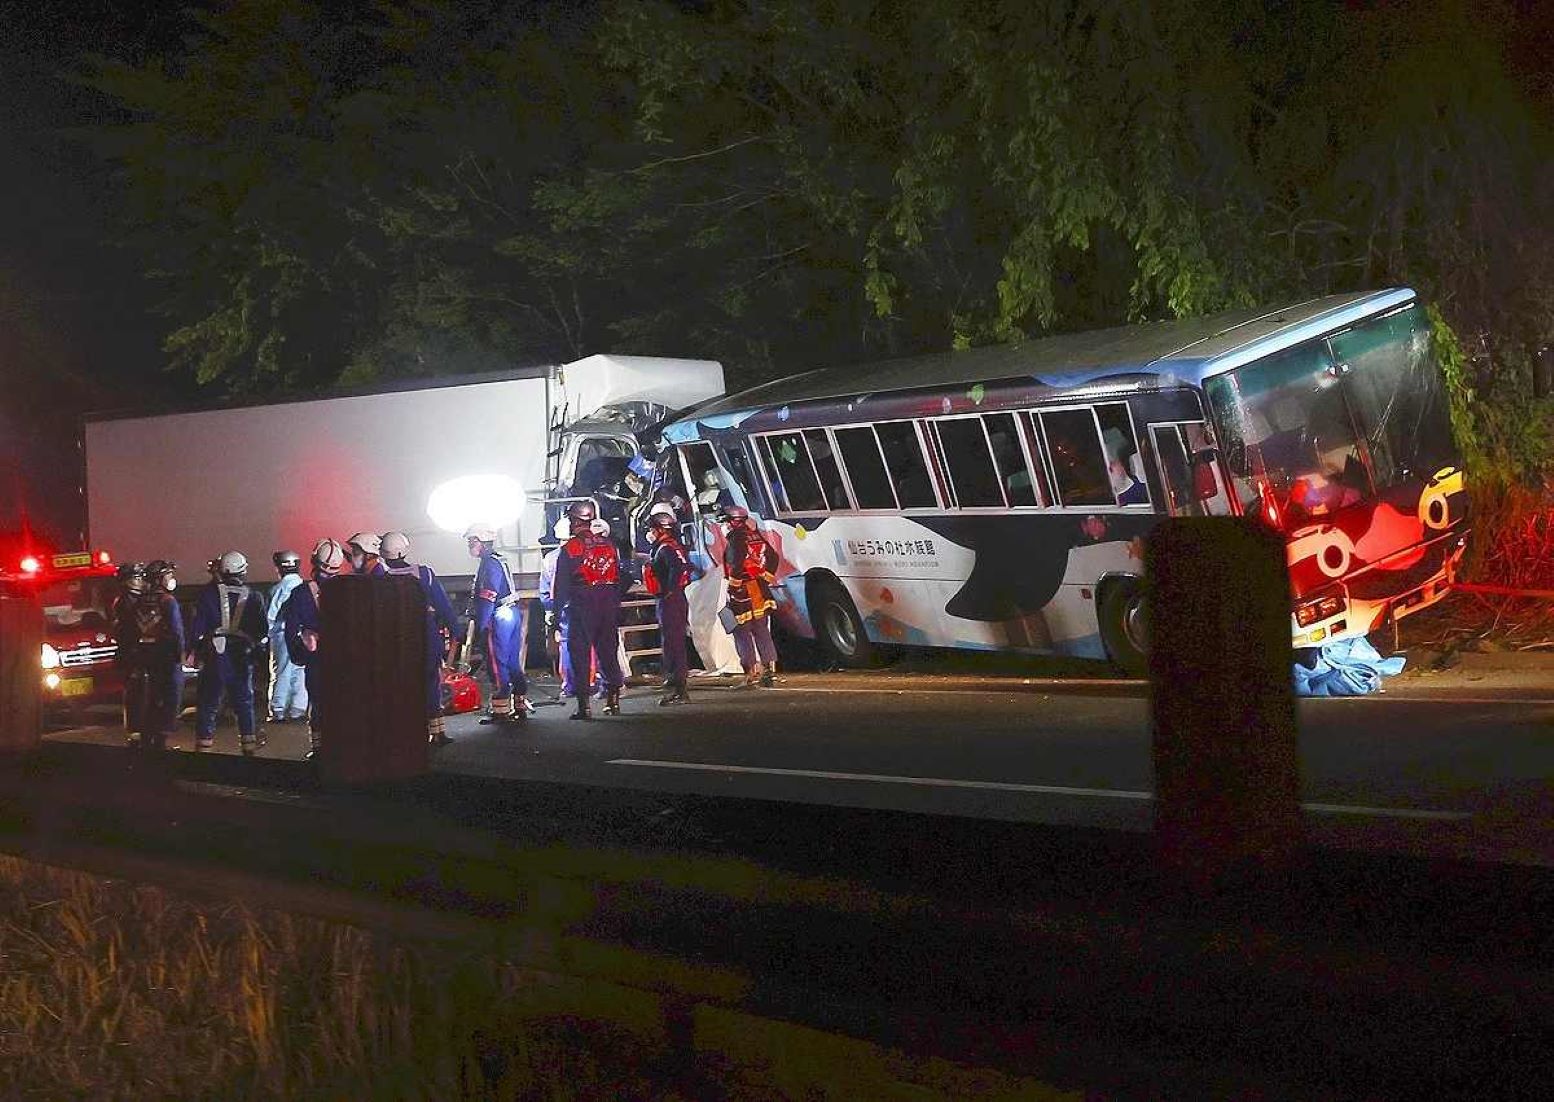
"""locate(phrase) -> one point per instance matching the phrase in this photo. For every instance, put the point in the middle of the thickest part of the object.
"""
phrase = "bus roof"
(1188, 350)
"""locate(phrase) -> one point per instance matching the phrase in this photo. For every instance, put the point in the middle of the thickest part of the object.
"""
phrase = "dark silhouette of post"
(21, 670)
(1222, 703)
(372, 644)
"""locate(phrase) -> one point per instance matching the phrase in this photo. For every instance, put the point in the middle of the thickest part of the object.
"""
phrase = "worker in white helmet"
(301, 628)
(494, 609)
(228, 633)
(288, 688)
(439, 619)
(365, 550)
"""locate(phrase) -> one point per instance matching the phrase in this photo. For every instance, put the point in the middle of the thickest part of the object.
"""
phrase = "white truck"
(427, 458)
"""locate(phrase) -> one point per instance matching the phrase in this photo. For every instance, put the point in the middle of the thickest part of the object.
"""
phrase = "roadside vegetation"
(110, 990)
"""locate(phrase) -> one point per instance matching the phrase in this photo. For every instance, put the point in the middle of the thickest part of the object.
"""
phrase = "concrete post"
(21, 670)
(1227, 782)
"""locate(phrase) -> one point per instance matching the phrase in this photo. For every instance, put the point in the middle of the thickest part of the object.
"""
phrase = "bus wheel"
(1123, 627)
(839, 628)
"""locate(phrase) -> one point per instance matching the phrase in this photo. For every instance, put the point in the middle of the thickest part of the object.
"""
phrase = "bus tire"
(838, 627)
(1123, 631)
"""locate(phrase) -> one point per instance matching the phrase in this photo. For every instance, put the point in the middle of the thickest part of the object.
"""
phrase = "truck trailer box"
(426, 459)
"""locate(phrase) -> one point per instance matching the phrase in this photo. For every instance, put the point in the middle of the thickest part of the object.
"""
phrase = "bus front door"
(1189, 470)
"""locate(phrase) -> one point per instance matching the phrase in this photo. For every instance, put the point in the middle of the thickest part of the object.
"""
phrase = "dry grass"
(111, 990)
(1512, 546)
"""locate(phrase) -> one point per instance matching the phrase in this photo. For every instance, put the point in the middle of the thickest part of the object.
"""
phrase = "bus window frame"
(1031, 468)
(847, 475)
(1138, 447)
(992, 460)
(763, 453)
(1095, 423)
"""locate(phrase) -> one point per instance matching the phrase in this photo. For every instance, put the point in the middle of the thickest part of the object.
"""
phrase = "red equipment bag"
(460, 693)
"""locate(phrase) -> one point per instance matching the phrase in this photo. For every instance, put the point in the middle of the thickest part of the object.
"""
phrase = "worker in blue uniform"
(588, 587)
(148, 628)
(440, 625)
(301, 626)
(227, 635)
(498, 628)
(668, 572)
(365, 550)
(288, 688)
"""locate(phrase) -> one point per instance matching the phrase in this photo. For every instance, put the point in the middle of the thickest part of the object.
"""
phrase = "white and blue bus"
(997, 498)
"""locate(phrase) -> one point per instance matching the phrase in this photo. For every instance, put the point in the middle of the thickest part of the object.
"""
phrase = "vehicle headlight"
(50, 657)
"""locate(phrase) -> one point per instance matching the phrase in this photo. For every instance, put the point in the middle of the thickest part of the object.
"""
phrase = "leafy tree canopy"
(361, 190)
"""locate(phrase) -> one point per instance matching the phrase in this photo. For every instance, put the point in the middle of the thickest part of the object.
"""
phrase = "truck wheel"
(839, 627)
(1124, 626)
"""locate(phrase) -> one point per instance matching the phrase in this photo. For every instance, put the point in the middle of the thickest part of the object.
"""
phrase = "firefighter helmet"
(395, 546)
(736, 514)
(368, 543)
(232, 567)
(485, 533)
(599, 526)
(581, 516)
(328, 557)
(663, 521)
(287, 562)
(160, 574)
(132, 576)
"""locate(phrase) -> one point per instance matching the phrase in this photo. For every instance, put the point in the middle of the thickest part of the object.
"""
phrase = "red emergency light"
(30, 565)
(103, 558)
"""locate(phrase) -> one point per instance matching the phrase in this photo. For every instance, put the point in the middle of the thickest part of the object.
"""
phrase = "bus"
(997, 498)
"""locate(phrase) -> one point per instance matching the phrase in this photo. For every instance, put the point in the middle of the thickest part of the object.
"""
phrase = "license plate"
(76, 686)
(82, 558)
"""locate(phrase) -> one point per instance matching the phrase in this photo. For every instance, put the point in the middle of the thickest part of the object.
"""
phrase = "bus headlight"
(50, 657)
(51, 681)
(1317, 608)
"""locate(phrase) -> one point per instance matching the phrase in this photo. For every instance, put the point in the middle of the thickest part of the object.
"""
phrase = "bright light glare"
(493, 499)
(50, 657)
(51, 681)
(30, 565)
(102, 557)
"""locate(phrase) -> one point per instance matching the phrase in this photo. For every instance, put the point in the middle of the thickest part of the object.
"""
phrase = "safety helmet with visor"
(287, 562)
(395, 546)
(160, 574)
(132, 577)
(328, 558)
(232, 567)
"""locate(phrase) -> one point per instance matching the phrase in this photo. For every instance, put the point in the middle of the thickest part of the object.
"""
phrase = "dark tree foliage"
(350, 191)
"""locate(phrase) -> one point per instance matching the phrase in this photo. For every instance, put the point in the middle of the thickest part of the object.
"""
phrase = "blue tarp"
(1348, 668)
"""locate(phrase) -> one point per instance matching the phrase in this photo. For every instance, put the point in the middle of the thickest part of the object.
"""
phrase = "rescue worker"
(555, 616)
(288, 688)
(154, 624)
(365, 551)
(588, 589)
(668, 573)
(750, 565)
(440, 624)
(300, 626)
(498, 623)
(228, 633)
(133, 586)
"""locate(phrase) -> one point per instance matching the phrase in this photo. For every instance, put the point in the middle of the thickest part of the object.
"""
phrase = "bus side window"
(969, 460)
(908, 469)
(1009, 457)
(1124, 463)
(865, 464)
(789, 465)
(1078, 463)
(828, 470)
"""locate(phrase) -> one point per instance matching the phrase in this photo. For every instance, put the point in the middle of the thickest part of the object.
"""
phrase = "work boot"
(752, 678)
(582, 708)
(675, 693)
(612, 702)
(769, 677)
(523, 707)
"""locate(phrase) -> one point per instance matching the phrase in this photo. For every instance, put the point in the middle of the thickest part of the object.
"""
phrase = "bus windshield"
(1325, 425)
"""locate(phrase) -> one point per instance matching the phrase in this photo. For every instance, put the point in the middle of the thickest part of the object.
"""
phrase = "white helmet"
(369, 543)
(562, 529)
(396, 545)
(482, 532)
(600, 527)
(663, 507)
(328, 557)
(232, 567)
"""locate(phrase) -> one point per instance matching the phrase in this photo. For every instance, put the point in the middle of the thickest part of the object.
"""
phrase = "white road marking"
(1009, 786)
(1025, 687)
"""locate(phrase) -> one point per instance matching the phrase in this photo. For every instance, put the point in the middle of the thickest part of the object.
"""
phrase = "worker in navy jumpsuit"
(588, 586)
(301, 626)
(228, 631)
(439, 619)
(498, 624)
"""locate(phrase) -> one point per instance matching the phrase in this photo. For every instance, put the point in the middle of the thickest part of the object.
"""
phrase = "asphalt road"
(1459, 762)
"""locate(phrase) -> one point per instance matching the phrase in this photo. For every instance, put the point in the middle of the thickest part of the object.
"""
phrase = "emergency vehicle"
(77, 590)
